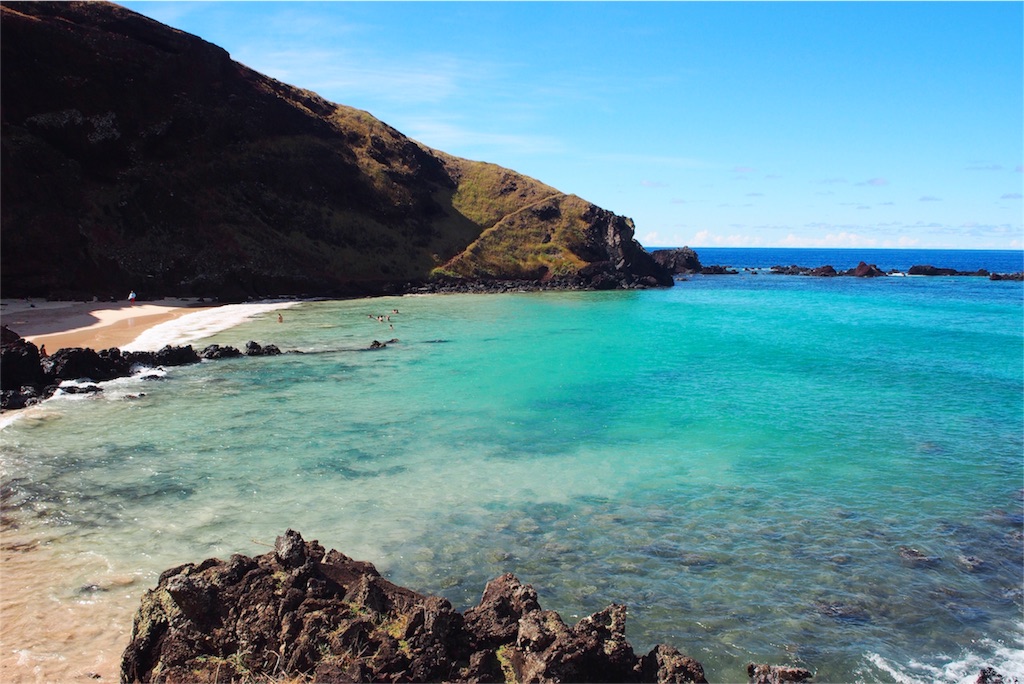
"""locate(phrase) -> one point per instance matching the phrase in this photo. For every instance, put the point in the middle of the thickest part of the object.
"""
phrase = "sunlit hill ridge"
(139, 156)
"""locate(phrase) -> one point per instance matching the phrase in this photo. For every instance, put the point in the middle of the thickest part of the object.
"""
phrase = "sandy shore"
(97, 325)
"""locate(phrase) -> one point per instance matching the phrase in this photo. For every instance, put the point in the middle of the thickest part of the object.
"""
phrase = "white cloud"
(705, 238)
(342, 76)
(841, 239)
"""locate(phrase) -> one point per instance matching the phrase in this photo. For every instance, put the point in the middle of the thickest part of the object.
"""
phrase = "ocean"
(826, 473)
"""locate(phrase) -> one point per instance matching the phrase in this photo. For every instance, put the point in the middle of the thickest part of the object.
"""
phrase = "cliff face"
(136, 156)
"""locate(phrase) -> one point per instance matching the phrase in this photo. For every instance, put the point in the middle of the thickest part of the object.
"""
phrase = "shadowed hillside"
(138, 156)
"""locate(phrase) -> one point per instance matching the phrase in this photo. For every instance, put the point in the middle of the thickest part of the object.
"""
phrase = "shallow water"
(739, 460)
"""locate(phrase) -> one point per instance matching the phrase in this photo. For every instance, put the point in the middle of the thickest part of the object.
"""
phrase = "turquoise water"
(739, 460)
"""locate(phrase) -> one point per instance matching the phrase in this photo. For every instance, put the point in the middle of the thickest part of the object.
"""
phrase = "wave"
(201, 324)
(1007, 660)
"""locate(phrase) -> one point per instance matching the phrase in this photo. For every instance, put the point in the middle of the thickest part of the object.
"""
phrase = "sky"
(744, 124)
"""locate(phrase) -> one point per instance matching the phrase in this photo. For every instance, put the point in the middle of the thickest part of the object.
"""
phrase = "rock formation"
(141, 157)
(303, 612)
(681, 260)
(27, 378)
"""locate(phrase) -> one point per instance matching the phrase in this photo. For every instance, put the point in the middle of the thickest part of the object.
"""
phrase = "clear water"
(739, 460)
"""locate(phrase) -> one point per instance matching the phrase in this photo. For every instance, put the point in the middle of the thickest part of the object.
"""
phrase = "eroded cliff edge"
(136, 156)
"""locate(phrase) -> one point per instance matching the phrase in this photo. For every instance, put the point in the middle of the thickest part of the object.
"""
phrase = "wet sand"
(53, 632)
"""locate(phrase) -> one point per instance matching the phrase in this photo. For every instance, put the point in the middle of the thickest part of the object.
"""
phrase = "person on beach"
(280, 318)
(131, 297)
(42, 350)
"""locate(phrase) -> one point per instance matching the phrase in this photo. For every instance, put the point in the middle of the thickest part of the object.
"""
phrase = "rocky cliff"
(136, 156)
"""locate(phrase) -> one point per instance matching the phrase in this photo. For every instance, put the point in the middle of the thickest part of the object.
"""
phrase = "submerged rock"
(303, 612)
(915, 558)
(776, 674)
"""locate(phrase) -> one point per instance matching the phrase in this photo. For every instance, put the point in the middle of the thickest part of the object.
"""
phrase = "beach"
(96, 325)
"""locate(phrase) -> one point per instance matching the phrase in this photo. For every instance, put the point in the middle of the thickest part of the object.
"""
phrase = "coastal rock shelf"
(28, 375)
(301, 611)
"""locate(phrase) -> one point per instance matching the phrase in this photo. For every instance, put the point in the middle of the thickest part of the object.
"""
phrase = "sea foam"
(201, 324)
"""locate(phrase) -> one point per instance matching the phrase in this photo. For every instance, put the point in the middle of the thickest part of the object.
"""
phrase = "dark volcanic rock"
(253, 348)
(681, 260)
(776, 674)
(301, 612)
(20, 364)
(215, 351)
(929, 270)
(77, 364)
(864, 270)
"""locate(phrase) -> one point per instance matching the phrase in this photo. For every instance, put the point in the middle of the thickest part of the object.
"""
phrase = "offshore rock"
(678, 261)
(864, 270)
(929, 270)
(302, 612)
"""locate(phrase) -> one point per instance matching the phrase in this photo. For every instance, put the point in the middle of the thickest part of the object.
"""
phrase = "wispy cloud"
(874, 182)
(343, 76)
(743, 169)
(1011, 195)
(929, 198)
(457, 139)
(984, 166)
(653, 159)
(705, 238)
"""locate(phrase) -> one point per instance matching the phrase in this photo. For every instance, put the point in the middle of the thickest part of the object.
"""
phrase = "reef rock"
(303, 612)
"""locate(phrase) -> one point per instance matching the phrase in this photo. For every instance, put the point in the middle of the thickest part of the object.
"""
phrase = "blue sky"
(805, 124)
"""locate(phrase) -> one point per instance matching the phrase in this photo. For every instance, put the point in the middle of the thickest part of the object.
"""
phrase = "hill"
(136, 156)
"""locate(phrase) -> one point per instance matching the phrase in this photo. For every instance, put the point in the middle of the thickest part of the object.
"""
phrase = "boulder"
(300, 612)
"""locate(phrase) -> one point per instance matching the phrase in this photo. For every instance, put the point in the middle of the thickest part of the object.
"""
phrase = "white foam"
(196, 326)
(1007, 660)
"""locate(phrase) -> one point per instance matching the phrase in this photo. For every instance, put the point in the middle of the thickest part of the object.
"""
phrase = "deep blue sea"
(817, 472)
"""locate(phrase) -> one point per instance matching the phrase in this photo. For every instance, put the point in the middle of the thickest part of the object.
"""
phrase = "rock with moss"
(303, 612)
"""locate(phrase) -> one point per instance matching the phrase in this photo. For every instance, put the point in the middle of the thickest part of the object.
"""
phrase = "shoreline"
(92, 325)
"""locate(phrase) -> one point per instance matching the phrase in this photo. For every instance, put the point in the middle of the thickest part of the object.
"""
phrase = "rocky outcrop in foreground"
(28, 377)
(301, 611)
